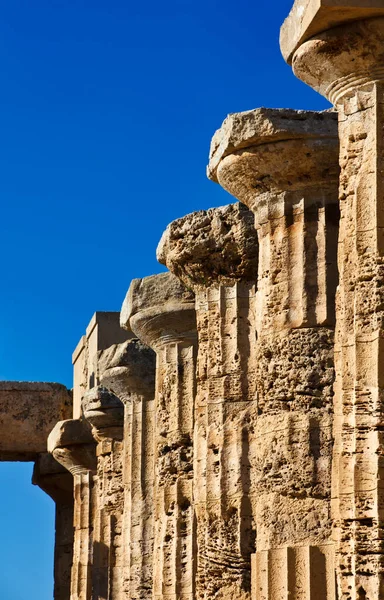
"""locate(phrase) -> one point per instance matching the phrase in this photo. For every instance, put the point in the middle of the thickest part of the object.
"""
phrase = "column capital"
(105, 413)
(211, 247)
(308, 18)
(53, 479)
(260, 154)
(338, 62)
(71, 443)
(160, 310)
(128, 370)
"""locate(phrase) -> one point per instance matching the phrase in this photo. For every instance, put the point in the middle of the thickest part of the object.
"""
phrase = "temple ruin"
(224, 438)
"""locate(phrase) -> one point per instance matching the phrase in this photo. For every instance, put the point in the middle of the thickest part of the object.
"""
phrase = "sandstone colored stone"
(345, 64)
(216, 253)
(163, 302)
(161, 312)
(57, 482)
(211, 247)
(291, 186)
(105, 412)
(102, 332)
(71, 444)
(128, 370)
(264, 125)
(308, 18)
(28, 412)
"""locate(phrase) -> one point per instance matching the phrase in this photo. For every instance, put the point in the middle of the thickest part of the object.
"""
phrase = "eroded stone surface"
(211, 247)
(57, 482)
(264, 125)
(311, 17)
(291, 186)
(160, 310)
(216, 253)
(345, 64)
(28, 412)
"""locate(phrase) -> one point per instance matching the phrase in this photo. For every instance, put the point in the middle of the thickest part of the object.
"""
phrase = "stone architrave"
(128, 371)
(28, 412)
(105, 413)
(283, 165)
(215, 253)
(161, 312)
(345, 64)
(72, 445)
(57, 482)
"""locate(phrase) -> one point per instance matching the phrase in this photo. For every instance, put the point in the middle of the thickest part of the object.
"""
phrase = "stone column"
(128, 370)
(215, 253)
(71, 444)
(105, 413)
(345, 64)
(57, 482)
(283, 166)
(161, 313)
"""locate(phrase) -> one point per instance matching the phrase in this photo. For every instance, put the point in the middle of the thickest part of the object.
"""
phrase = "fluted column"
(283, 166)
(105, 413)
(128, 370)
(161, 313)
(71, 444)
(57, 482)
(345, 64)
(215, 253)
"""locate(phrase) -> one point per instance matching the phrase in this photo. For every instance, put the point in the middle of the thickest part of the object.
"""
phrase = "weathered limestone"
(345, 64)
(310, 17)
(288, 176)
(128, 371)
(57, 482)
(105, 413)
(215, 252)
(72, 445)
(161, 313)
(28, 412)
(102, 332)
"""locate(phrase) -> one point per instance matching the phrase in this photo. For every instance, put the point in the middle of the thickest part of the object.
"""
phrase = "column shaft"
(174, 550)
(345, 64)
(139, 478)
(358, 490)
(283, 166)
(225, 405)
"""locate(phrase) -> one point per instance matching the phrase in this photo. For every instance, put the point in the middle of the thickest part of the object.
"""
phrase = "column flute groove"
(344, 62)
(215, 253)
(161, 313)
(283, 165)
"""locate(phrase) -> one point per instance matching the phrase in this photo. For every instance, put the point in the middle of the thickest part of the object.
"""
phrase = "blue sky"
(107, 111)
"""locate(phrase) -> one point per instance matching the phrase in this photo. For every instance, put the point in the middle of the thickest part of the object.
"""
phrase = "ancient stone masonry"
(283, 165)
(128, 370)
(161, 312)
(28, 411)
(345, 63)
(72, 445)
(215, 252)
(226, 437)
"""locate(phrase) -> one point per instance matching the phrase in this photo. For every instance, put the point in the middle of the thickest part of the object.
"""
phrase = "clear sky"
(107, 111)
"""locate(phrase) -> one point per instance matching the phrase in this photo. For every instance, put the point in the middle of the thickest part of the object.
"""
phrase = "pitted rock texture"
(128, 369)
(344, 63)
(308, 18)
(264, 126)
(28, 412)
(216, 253)
(211, 247)
(295, 371)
